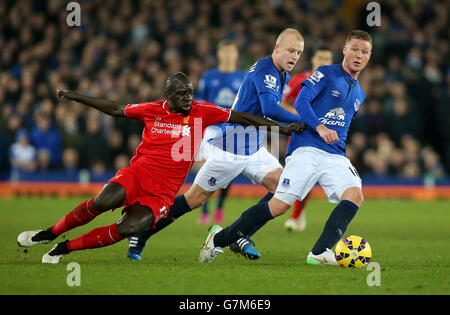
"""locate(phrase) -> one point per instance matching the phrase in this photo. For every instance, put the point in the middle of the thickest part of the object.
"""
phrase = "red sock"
(99, 237)
(298, 207)
(81, 215)
(296, 210)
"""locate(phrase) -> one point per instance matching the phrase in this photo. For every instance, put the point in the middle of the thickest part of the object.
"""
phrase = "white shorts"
(308, 165)
(206, 148)
(222, 167)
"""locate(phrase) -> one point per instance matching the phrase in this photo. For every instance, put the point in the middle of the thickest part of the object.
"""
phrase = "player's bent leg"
(353, 194)
(278, 207)
(135, 220)
(337, 222)
(270, 181)
(111, 196)
(244, 245)
(196, 196)
(255, 216)
(179, 207)
(98, 237)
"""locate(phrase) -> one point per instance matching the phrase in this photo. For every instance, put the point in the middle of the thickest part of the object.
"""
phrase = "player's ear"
(275, 49)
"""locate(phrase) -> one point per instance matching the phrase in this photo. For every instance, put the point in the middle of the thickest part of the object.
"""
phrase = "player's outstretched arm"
(257, 121)
(103, 105)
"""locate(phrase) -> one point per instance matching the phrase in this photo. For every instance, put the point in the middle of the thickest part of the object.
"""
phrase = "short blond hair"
(289, 31)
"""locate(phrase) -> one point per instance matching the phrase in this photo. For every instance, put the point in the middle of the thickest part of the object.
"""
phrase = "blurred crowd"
(124, 51)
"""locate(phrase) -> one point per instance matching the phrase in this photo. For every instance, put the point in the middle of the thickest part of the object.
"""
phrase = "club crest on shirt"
(286, 182)
(186, 131)
(357, 104)
(212, 181)
(186, 120)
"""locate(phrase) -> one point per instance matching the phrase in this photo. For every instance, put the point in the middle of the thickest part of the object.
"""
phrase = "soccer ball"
(353, 252)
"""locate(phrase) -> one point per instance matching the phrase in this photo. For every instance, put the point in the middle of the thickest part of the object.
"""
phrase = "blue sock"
(178, 208)
(253, 216)
(222, 197)
(335, 226)
(205, 208)
(266, 198)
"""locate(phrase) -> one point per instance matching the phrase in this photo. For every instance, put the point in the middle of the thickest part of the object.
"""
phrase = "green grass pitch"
(410, 241)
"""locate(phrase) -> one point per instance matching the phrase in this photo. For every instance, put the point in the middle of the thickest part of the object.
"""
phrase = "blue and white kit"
(219, 88)
(330, 96)
(238, 148)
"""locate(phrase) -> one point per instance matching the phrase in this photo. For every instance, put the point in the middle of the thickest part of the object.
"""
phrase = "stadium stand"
(124, 50)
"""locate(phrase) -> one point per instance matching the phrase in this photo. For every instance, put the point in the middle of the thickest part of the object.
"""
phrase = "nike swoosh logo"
(322, 261)
(205, 246)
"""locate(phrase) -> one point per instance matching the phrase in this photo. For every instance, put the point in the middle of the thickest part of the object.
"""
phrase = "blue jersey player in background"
(328, 100)
(219, 86)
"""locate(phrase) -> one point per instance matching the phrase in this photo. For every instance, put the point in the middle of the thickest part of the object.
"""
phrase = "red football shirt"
(170, 141)
(294, 86)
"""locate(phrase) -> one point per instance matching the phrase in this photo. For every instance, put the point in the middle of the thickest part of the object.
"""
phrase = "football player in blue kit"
(328, 100)
(240, 150)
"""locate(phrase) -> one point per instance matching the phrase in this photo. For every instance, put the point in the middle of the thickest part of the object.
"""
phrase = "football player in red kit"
(321, 56)
(172, 134)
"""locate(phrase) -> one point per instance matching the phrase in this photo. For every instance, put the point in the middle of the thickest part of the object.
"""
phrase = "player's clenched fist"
(62, 93)
(328, 135)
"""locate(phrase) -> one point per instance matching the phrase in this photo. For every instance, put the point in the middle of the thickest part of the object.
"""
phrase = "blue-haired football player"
(328, 100)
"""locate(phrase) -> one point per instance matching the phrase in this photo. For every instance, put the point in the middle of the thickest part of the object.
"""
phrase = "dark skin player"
(179, 95)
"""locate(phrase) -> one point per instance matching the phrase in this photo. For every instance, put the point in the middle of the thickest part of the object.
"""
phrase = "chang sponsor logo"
(334, 117)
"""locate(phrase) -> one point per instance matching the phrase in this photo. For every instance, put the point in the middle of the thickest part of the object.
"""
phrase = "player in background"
(327, 103)
(322, 56)
(172, 134)
(241, 150)
(219, 86)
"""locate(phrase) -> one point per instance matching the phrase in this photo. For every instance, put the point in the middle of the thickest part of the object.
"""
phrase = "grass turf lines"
(410, 241)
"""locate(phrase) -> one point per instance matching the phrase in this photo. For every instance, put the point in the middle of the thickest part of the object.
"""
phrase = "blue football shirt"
(260, 93)
(330, 96)
(219, 88)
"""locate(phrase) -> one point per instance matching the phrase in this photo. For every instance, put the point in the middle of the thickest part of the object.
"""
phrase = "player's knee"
(102, 204)
(354, 195)
(111, 196)
(136, 226)
(196, 196)
(127, 229)
(360, 199)
(270, 181)
(278, 207)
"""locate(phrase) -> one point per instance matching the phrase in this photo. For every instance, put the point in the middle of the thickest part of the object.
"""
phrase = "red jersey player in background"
(147, 188)
(321, 56)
